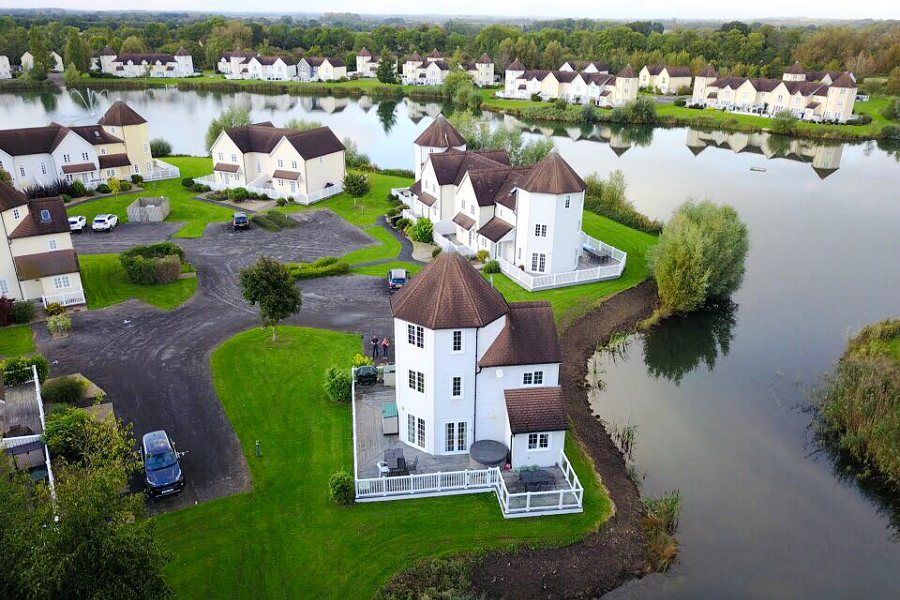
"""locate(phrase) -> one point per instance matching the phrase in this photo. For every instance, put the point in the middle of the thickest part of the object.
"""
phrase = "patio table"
(395, 461)
(535, 480)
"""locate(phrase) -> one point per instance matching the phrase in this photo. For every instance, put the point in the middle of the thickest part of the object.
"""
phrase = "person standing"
(374, 347)
(385, 348)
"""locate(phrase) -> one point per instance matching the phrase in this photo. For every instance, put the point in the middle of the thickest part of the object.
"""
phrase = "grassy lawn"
(388, 247)
(572, 302)
(16, 340)
(285, 538)
(363, 211)
(195, 215)
(381, 269)
(105, 284)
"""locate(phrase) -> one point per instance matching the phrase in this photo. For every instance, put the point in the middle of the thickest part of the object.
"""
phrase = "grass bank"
(194, 214)
(285, 538)
(860, 402)
(16, 340)
(105, 284)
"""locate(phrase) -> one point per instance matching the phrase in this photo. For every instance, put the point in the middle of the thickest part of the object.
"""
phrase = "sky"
(632, 9)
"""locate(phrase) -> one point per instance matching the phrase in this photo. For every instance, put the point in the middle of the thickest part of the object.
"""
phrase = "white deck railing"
(162, 170)
(65, 298)
(269, 192)
(534, 283)
(428, 484)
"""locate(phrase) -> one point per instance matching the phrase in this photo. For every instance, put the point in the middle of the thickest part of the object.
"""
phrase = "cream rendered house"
(665, 78)
(305, 166)
(588, 86)
(118, 146)
(56, 62)
(481, 71)
(431, 70)
(5, 70)
(38, 261)
(319, 68)
(366, 64)
(267, 68)
(233, 64)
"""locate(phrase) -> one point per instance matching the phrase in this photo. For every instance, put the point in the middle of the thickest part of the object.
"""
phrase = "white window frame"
(52, 245)
(538, 441)
(411, 429)
(457, 336)
(534, 378)
(4, 286)
(456, 437)
(453, 387)
(415, 380)
(568, 201)
(420, 432)
(61, 282)
(415, 335)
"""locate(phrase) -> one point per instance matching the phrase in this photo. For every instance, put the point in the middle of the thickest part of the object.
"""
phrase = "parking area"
(155, 365)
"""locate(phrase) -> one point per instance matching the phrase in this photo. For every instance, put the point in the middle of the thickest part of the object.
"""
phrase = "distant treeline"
(736, 48)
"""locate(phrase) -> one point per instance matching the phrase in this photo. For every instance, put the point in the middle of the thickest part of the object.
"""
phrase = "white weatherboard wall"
(544, 457)
(449, 364)
(562, 245)
(409, 401)
(491, 409)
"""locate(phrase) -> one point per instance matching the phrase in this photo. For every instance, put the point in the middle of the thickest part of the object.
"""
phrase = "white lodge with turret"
(528, 218)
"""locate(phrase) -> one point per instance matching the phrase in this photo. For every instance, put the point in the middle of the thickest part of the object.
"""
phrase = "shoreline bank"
(616, 553)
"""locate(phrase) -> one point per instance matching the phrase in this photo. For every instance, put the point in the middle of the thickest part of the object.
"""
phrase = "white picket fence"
(305, 199)
(65, 298)
(427, 484)
(162, 170)
(534, 283)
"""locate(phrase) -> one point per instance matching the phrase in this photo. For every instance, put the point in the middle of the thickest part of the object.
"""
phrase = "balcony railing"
(162, 170)
(64, 298)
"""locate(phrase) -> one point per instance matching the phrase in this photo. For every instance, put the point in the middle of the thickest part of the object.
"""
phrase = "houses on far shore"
(5, 68)
(56, 62)
(666, 79)
(592, 84)
(150, 64)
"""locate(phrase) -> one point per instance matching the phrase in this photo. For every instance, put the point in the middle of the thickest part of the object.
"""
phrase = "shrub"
(54, 308)
(156, 250)
(188, 182)
(641, 110)
(561, 104)
(104, 189)
(281, 219)
(238, 193)
(66, 432)
(78, 189)
(136, 179)
(660, 525)
(265, 222)
(360, 360)
(22, 311)
(324, 267)
(607, 198)
(340, 487)
(160, 147)
(392, 212)
(356, 184)
(153, 264)
(73, 435)
(700, 255)
(436, 251)
(422, 231)
(17, 369)
(618, 115)
(891, 111)
(59, 325)
(535, 97)
(402, 223)
(64, 390)
(338, 384)
(482, 255)
(588, 113)
(784, 122)
(125, 186)
(166, 269)
(281, 201)
(680, 101)
(891, 132)
(491, 266)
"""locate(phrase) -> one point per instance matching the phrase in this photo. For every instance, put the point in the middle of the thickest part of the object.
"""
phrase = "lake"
(717, 399)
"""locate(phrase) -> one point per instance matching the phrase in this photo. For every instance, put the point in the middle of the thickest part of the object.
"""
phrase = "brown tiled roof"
(263, 138)
(147, 57)
(182, 52)
(796, 69)
(529, 337)
(654, 69)
(414, 57)
(464, 220)
(45, 264)
(364, 52)
(226, 168)
(806, 88)
(440, 134)
(678, 71)
(10, 197)
(32, 140)
(486, 184)
(109, 161)
(79, 168)
(565, 76)
(553, 175)
(96, 135)
(452, 165)
(435, 54)
(33, 224)
(708, 71)
(120, 115)
(270, 60)
(442, 65)
(515, 66)
(107, 51)
(449, 293)
(426, 198)
(535, 409)
(495, 229)
(484, 59)
(282, 174)
(627, 73)
(599, 65)
(599, 79)
(844, 81)
(416, 188)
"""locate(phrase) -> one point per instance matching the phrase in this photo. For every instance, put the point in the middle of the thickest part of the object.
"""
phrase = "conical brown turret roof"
(553, 175)
(440, 134)
(120, 115)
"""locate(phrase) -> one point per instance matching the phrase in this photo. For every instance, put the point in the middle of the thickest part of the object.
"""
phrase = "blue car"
(162, 468)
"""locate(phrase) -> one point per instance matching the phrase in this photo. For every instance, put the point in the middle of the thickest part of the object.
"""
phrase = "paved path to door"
(154, 365)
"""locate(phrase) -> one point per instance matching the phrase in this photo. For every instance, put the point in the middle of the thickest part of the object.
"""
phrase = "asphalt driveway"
(154, 365)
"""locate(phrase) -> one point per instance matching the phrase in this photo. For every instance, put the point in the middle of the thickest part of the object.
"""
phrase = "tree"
(37, 45)
(71, 76)
(386, 72)
(160, 147)
(269, 284)
(553, 55)
(356, 184)
(77, 52)
(302, 125)
(784, 122)
(133, 45)
(115, 185)
(700, 255)
(234, 116)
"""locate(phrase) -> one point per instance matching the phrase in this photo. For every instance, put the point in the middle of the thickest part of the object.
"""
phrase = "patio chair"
(411, 468)
(383, 469)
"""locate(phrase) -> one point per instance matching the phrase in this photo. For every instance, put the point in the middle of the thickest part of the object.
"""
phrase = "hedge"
(324, 267)
(17, 369)
(153, 264)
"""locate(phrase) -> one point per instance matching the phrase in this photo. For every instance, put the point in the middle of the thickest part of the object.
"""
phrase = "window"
(293, 164)
(61, 282)
(45, 215)
(410, 429)
(455, 437)
(538, 262)
(4, 287)
(52, 244)
(84, 156)
(416, 335)
(540, 231)
(457, 341)
(568, 201)
(234, 158)
(258, 167)
(293, 186)
(280, 163)
(533, 378)
(420, 441)
(103, 151)
(110, 173)
(520, 253)
(15, 213)
(137, 168)
(146, 147)
(221, 156)
(538, 441)
(43, 169)
(456, 387)
(417, 381)
(67, 158)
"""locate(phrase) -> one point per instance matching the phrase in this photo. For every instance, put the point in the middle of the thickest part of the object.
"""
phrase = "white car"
(105, 222)
(77, 224)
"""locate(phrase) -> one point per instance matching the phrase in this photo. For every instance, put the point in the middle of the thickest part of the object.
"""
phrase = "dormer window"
(45, 215)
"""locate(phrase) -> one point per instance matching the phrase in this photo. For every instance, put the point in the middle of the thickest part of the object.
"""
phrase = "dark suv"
(240, 221)
(397, 278)
(162, 468)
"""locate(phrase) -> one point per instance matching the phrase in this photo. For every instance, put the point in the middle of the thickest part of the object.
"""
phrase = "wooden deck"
(20, 410)
(371, 441)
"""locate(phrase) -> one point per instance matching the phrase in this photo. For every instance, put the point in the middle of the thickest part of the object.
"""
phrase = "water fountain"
(89, 99)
